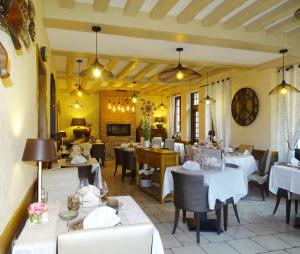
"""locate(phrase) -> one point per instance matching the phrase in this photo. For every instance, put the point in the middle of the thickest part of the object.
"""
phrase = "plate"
(113, 203)
(68, 215)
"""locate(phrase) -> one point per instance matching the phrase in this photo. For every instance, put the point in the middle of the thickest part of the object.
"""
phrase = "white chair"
(156, 143)
(60, 182)
(242, 148)
(209, 153)
(119, 239)
(169, 144)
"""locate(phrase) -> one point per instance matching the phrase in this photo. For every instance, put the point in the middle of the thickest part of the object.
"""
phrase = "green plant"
(147, 130)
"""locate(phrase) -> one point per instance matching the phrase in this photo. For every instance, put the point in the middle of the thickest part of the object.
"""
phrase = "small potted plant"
(37, 212)
(147, 130)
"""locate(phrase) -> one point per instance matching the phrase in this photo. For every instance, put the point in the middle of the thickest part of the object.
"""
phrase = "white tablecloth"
(222, 184)
(41, 239)
(284, 177)
(179, 148)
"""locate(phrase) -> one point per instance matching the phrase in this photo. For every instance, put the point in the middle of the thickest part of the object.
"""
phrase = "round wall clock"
(244, 106)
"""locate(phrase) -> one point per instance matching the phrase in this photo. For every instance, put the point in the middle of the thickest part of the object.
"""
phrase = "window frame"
(194, 117)
(177, 98)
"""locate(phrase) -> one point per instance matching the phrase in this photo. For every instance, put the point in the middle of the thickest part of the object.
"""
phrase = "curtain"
(170, 116)
(220, 112)
(287, 116)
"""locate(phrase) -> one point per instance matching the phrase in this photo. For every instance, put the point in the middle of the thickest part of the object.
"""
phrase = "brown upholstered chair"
(98, 152)
(189, 153)
(128, 163)
(118, 160)
(86, 172)
(242, 148)
(169, 144)
(190, 194)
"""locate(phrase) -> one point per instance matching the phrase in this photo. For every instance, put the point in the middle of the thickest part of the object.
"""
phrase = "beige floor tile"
(238, 232)
(271, 242)
(290, 238)
(246, 246)
(168, 251)
(261, 229)
(218, 248)
(293, 251)
(189, 250)
(189, 238)
(214, 237)
(169, 241)
(167, 228)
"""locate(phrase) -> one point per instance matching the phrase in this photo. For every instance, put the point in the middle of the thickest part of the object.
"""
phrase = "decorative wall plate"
(244, 107)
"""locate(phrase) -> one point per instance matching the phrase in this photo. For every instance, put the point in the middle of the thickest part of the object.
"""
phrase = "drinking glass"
(44, 196)
(82, 188)
(73, 202)
(104, 189)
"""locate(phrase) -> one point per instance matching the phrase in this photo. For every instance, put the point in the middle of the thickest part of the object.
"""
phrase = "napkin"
(76, 151)
(294, 162)
(191, 165)
(246, 152)
(213, 162)
(91, 196)
(103, 216)
(78, 159)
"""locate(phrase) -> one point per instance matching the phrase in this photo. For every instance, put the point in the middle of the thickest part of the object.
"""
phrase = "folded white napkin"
(76, 151)
(246, 152)
(294, 162)
(103, 216)
(191, 165)
(86, 148)
(91, 196)
(78, 159)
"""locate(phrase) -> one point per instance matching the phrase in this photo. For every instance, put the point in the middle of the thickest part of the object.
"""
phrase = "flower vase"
(147, 143)
(36, 218)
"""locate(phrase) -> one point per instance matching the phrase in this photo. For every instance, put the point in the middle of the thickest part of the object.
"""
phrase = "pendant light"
(134, 96)
(207, 99)
(76, 105)
(79, 91)
(179, 73)
(109, 105)
(283, 88)
(96, 70)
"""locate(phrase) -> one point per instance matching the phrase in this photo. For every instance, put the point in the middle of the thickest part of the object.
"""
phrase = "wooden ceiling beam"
(132, 7)
(127, 69)
(161, 8)
(144, 71)
(284, 25)
(101, 5)
(269, 18)
(277, 63)
(68, 4)
(112, 62)
(248, 13)
(295, 33)
(220, 11)
(189, 12)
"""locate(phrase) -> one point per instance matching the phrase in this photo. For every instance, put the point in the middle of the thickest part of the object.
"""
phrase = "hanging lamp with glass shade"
(76, 105)
(79, 91)
(283, 88)
(179, 73)
(207, 99)
(134, 96)
(96, 70)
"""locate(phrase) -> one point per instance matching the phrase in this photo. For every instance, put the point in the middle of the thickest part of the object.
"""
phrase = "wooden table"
(157, 158)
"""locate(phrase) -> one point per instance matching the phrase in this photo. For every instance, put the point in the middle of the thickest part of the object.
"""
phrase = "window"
(177, 116)
(194, 117)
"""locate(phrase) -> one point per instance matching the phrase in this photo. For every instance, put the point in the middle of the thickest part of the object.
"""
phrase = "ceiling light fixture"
(283, 88)
(207, 99)
(179, 73)
(96, 70)
(134, 96)
(79, 91)
(76, 105)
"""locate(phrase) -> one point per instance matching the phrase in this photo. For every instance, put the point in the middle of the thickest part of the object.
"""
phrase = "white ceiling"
(68, 40)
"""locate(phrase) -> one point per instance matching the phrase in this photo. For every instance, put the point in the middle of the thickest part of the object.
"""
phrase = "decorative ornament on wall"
(244, 107)
(147, 108)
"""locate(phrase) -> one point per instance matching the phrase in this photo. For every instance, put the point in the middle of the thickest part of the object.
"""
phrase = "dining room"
(150, 126)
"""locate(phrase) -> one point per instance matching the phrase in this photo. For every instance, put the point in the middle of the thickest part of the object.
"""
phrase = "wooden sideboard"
(154, 133)
(157, 158)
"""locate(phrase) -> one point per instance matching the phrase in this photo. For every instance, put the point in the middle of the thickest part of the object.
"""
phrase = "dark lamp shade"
(39, 150)
(211, 133)
(62, 134)
(159, 119)
(78, 122)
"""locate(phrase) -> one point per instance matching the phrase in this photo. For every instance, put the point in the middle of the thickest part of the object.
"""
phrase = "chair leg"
(183, 216)
(296, 206)
(225, 215)
(277, 204)
(251, 185)
(123, 173)
(177, 211)
(116, 167)
(261, 187)
(266, 189)
(236, 213)
(198, 227)
(218, 213)
(288, 211)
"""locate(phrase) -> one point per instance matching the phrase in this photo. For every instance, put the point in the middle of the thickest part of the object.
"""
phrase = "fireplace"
(118, 129)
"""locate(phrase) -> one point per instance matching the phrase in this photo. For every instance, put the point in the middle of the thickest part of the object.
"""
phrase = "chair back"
(209, 153)
(156, 143)
(110, 240)
(243, 148)
(124, 158)
(118, 156)
(297, 154)
(60, 182)
(169, 144)
(265, 163)
(86, 172)
(188, 149)
(98, 151)
(130, 160)
(159, 138)
(190, 193)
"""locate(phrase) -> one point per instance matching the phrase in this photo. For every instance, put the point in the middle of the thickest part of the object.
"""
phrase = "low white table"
(223, 185)
(41, 239)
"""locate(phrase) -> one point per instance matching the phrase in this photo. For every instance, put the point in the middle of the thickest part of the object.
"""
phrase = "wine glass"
(83, 187)
(103, 189)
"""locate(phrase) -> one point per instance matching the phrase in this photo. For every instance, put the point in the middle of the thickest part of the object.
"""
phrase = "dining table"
(42, 238)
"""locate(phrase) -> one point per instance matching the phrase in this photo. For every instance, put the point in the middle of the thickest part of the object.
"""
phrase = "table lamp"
(63, 135)
(79, 122)
(39, 150)
(159, 120)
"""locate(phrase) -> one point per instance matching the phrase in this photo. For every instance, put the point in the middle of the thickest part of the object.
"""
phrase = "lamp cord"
(283, 65)
(96, 44)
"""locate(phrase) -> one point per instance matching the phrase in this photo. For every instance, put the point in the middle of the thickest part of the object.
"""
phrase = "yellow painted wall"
(89, 111)
(18, 119)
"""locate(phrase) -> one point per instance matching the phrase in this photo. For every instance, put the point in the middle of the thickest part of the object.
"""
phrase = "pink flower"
(37, 208)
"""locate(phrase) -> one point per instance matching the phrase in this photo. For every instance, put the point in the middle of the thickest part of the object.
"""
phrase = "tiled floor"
(258, 232)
